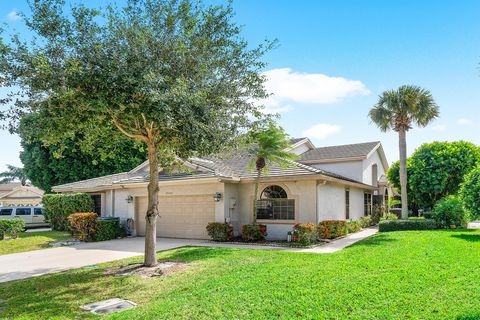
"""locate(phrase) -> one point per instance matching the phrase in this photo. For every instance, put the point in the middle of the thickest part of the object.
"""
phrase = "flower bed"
(254, 232)
(331, 229)
(220, 231)
(304, 233)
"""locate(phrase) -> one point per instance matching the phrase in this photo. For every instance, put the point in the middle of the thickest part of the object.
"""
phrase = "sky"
(335, 57)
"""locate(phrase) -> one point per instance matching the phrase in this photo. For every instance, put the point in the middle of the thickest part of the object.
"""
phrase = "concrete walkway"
(35, 263)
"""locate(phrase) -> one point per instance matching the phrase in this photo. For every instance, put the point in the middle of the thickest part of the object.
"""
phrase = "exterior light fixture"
(217, 196)
(129, 199)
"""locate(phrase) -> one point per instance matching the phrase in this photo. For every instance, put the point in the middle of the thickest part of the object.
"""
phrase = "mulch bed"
(161, 269)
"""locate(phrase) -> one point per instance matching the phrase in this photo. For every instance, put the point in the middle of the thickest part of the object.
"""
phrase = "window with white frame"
(275, 205)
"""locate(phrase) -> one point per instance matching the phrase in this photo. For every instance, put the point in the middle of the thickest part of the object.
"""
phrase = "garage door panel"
(180, 216)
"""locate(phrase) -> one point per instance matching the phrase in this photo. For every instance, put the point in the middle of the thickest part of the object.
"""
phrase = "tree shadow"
(467, 237)
(469, 317)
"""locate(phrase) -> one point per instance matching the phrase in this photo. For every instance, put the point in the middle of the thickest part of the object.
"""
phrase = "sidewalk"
(339, 244)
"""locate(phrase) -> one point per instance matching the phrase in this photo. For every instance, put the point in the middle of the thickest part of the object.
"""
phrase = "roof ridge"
(349, 144)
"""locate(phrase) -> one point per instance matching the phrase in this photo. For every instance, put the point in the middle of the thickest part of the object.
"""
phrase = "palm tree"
(270, 147)
(13, 173)
(398, 110)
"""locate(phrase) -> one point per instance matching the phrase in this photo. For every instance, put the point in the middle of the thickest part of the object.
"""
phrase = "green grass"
(29, 241)
(395, 275)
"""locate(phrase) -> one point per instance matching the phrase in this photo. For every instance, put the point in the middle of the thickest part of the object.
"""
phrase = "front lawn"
(397, 275)
(29, 241)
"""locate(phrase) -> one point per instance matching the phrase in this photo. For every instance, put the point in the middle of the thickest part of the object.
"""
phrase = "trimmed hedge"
(304, 233)
(331, 229)
(107, 229)
(59, 206)
(254, 232)
(11, 227)
(220, 231)
(411, 224)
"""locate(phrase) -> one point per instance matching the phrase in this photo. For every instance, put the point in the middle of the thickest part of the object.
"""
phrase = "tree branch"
(123, 130)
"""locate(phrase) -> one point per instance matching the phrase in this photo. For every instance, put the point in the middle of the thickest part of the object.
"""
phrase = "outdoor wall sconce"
(129, 199)
(217, 196)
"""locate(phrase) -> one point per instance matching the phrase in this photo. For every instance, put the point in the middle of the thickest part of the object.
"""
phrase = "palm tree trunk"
(255, 196)
(402, 142)
(152, 211)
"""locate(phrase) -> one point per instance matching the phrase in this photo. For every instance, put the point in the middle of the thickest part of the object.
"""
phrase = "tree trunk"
(152, 211)
(255, 196)
(402, 143)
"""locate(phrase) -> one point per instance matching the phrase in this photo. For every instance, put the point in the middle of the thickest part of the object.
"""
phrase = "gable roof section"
(342, 152)
(34, 190)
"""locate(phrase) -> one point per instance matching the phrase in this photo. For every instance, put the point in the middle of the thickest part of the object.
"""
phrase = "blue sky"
(335, 57)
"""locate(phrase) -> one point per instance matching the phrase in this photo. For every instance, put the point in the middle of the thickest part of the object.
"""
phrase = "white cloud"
(13, 15)
(322, 130)
(287, 87)
(439, 128)
(464, 121)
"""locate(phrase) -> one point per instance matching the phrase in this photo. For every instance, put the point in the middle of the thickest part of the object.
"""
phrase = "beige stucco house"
(14, 194)
(338, 182)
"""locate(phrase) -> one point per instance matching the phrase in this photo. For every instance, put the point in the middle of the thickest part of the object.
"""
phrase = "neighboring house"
(337, 182)
(14, 194)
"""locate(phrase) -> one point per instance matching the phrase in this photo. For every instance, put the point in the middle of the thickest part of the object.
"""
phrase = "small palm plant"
(398, 110)
(270, 147)
(12, 174)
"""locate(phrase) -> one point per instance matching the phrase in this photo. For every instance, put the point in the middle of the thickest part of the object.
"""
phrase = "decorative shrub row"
(220, 231)
(11, 227)
(331, 229)
(354, 226)
(88, 227)
(59, 206)
(254, 232)
(411, 224)
(304, 233)
(366, 221)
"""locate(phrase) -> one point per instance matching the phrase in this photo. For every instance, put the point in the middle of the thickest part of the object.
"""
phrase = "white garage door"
(180, 216)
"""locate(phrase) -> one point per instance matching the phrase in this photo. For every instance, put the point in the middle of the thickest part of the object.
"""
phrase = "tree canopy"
(50, 165)
(436, 170)
(175, 75)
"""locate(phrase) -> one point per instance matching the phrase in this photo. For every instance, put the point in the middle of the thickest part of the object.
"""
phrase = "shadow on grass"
(469, 317)
(60, 295)
(467, 237)
(377, 240)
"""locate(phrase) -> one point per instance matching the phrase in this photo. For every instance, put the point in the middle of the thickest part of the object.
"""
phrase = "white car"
(33, 216)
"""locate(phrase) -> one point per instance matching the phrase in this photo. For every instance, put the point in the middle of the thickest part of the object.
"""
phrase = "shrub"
(304, 233)
(366, 222)
(107, 229)
(331, 229)
(470, 192)
(378, 212)
(450, 211)
(354, 226)
(59, 206)
(11, 227)
(398, 225)
(390, 216)
(83, 225)
(254, 232)
(220, 231)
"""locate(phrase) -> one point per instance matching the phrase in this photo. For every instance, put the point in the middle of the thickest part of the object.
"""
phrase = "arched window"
(275, 205)
(273, 192)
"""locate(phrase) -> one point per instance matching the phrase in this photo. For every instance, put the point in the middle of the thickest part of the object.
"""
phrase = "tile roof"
(339, 152)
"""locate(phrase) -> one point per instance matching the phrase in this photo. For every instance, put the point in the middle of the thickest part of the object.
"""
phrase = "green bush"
(59, 206)
(378, 211)
(450, 211)
(390, 216)
(83, 225)
(304, 233)
(354, 226)
(11, 227)
(107, 229)
(220, 231)
(470, 192)
(331, 229)
(399, 225)
(366, 222)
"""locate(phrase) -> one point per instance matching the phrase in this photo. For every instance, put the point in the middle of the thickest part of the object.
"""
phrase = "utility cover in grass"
(109, 306)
